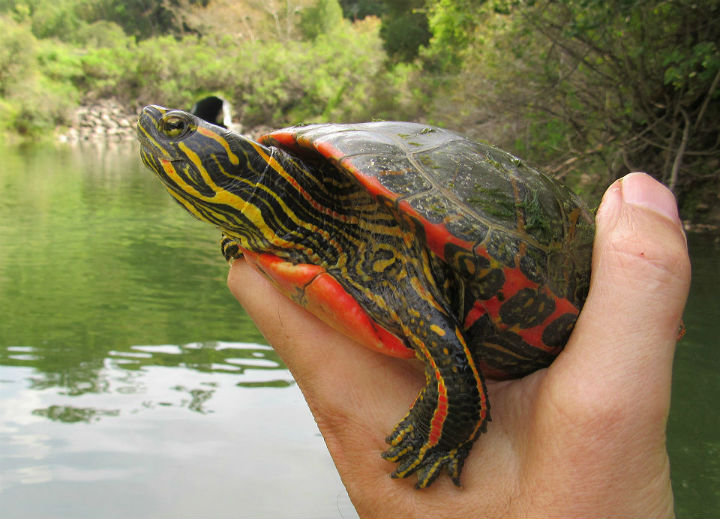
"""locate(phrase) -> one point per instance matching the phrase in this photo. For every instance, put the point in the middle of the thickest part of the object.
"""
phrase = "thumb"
(624, 341)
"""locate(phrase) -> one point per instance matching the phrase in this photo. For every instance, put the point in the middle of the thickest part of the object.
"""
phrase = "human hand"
(584, 437)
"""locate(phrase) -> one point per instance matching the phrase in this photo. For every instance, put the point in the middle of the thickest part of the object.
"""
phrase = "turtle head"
(211, 171)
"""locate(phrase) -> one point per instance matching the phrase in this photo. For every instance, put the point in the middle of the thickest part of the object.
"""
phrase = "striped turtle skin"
(410, 239)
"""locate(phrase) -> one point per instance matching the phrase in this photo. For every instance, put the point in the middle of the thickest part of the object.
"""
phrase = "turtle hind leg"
(448, 415)
(229, 248)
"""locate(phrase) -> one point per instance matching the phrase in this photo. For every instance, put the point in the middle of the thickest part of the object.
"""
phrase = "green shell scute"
(399, 174)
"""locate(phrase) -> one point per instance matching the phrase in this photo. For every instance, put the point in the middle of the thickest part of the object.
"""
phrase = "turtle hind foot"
(408, 453)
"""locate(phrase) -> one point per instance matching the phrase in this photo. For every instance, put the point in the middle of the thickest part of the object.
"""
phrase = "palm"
(584, 437)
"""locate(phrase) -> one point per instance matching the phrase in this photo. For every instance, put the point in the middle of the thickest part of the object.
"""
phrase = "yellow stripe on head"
(221, 195)
(234, 160)
(149, 138)
(176, 179)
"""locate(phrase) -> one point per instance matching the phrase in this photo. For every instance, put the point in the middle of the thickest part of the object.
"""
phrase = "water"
(132, 384)
(694, 427)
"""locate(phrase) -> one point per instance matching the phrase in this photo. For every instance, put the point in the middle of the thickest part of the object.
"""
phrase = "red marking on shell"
(475, 313)
(515, 280)
(328, 150)
(293, 142)
(283, 138)
(317, 291)
(533, 336)
(492, 307)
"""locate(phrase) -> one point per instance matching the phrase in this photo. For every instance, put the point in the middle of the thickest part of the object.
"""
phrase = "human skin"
(584, 437)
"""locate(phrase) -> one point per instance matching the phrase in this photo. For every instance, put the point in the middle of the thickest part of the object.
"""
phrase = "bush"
(17, 53)
(35, 82)
(337, 76)
(582, 86)
(338, 73)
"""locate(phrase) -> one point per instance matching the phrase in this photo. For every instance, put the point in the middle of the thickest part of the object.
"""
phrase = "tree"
(618, 85)
(404, 29)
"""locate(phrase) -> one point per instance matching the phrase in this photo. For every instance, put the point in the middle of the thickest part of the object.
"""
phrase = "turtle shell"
(477, 206)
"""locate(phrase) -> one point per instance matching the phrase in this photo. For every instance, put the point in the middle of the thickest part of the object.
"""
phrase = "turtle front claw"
(230, 249)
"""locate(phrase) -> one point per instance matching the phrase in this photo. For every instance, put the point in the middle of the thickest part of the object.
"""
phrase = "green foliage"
(404, 29)
(337, 72)
(325, 17)
(100, 34)
(17, 53)
(143, 18)
(455, 25)
(336, 76)
(66, 19)
(404, 35)
(326, 79)
(54, 19)
(35, 93)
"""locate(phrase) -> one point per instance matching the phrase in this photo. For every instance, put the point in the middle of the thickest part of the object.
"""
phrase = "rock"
(107, 119)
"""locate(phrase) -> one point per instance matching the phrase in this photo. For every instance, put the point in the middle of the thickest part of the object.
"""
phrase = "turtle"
(411, 239)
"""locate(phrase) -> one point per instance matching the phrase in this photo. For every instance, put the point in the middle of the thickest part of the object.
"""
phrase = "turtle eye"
(174, 125)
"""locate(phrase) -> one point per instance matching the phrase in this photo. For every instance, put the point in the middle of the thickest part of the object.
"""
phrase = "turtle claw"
(431, 468)
(230, 249)
(407, 451)
(427, 466)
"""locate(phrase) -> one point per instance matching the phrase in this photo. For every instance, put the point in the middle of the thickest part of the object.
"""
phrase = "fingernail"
(642, 190)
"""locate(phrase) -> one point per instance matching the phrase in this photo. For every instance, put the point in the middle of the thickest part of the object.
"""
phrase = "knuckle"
(656, 251)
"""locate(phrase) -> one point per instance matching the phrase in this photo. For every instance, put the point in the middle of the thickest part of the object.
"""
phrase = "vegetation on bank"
(588, 89)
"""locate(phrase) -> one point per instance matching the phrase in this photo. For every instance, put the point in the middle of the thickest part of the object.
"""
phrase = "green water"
(132, 384)
(694, 427)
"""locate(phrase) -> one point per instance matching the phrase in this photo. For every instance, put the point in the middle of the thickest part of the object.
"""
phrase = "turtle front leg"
(230, 248)
(448, 414)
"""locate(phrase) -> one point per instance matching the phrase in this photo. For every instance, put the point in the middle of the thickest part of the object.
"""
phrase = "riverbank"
(106, 119)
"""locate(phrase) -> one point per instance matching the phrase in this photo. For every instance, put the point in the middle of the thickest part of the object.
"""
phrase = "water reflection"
(252, 365)
(174, 426)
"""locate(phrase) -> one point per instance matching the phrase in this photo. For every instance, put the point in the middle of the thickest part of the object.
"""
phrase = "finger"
(625, 336)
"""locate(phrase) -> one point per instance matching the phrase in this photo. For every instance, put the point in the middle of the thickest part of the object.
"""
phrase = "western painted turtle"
(411, 239)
